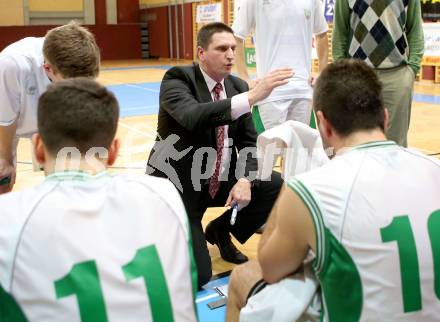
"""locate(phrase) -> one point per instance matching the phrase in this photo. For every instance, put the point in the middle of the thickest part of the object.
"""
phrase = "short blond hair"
(72, 51)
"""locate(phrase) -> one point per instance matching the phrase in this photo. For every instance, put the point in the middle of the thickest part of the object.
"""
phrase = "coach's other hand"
(265, 85)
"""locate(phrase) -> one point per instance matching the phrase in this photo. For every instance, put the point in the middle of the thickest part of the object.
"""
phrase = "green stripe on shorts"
(258, 123)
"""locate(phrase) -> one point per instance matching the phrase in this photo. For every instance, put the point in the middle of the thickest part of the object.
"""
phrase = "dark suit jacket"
(188, 111)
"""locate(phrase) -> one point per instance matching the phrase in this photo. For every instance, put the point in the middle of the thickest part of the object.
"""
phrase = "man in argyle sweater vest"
(387, 35)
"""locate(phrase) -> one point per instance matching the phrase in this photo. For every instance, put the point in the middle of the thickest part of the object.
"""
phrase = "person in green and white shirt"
(370, 217)
(85, 245)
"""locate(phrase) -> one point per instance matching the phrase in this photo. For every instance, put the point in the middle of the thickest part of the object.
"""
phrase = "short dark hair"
(79, 113)
(72, 51)
(205, 34)
(349, 94)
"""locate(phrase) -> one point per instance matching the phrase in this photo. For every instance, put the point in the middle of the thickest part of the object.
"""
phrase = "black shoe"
(261, 229)
(222, 239)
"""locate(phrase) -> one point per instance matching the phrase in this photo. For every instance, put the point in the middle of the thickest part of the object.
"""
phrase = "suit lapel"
(201, 85)
(229, 88)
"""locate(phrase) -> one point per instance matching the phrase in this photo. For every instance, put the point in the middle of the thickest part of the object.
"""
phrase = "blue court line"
(137, 99)
(208, 295)
(423, 98)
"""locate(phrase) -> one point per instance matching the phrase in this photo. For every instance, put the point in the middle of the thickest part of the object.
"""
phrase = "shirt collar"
(75, 176)
(210, 82)
(368, 145)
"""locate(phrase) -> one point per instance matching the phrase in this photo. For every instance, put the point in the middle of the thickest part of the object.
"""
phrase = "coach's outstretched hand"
(265, 85)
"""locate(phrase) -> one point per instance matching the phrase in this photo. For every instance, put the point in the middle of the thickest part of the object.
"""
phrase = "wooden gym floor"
(136, 84)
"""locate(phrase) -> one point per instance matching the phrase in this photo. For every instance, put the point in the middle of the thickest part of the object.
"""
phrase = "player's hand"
(7, 176)
(252, 83)
(266, 84)
(312, 80)
(240, 194)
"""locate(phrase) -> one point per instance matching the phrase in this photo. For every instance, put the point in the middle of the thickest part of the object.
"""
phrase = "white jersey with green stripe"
(97, 248)
(376, 210)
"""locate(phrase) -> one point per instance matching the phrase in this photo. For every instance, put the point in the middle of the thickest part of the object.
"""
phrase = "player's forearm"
(7, 134)
(268, 229)
(240, 61)
(322, 50)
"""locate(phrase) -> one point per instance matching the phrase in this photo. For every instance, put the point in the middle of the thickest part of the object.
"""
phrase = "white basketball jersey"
(22, 81)
(376, 210)
(283, 32)
(94, 249)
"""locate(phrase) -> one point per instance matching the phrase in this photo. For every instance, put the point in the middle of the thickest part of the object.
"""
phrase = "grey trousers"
(398, 86)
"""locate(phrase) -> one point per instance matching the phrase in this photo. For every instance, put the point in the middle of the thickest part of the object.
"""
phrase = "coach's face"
(217, 60)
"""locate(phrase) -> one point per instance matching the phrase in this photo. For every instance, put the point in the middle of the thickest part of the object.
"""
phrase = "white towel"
(291, 299)
(299, 145)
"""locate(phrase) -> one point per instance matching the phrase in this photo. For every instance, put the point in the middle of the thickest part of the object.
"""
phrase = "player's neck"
(90, 166)
(360, 137)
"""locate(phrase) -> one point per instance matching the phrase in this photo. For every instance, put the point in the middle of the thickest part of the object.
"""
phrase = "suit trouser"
(249, 219)
(397, 92)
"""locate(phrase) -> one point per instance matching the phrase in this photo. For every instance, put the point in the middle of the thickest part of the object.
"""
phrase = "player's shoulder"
(19, 55)
(337, 174)
(13, 65)
(16, 206)
(159, 185)
(157, 189)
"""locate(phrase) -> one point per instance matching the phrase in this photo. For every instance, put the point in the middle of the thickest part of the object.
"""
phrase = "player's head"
(348, 97)
(70, 51)
(78, 113)
(216, 49)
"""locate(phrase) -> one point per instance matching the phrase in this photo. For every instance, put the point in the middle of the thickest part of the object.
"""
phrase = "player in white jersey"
(85, 245)
(26, 68)
(283, 32)
(371, 216)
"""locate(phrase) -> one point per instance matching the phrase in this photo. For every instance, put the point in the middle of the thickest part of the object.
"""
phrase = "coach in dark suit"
(204, 120)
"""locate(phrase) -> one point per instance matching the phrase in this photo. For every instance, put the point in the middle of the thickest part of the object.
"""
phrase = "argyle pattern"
(379, 32)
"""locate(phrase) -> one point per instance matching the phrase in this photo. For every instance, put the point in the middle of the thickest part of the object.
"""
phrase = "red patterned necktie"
(214, 183)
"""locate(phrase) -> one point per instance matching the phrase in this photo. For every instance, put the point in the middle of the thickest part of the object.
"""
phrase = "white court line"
(145, 134)
(143, 88)
(140, 107)
(137, 149)
(112, 82)
(207, 297)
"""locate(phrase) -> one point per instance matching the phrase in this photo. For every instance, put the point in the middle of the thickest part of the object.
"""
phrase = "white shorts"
(277, 112)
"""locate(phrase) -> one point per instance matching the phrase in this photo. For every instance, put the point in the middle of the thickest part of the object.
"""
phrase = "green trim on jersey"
(76, 175)
(315, 211)
(338, 275)
(340, 283)
(374, 144)
(10, 311)
(193, 268)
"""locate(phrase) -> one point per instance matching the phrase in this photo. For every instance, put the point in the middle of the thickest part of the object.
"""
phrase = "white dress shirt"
(239, 106)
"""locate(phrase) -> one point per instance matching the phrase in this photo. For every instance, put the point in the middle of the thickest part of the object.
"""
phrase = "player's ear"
(113, 152)
(323, 125)
(38, 148)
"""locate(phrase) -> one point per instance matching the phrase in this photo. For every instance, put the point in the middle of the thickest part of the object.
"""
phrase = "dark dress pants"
(249, 219)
